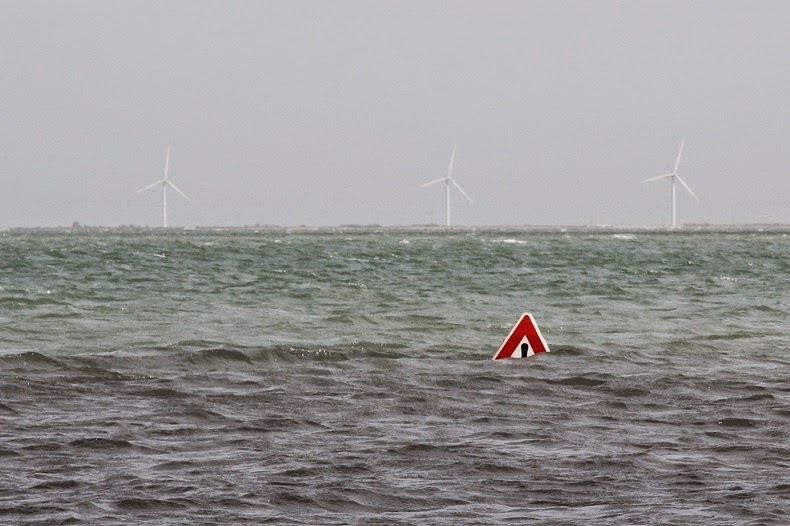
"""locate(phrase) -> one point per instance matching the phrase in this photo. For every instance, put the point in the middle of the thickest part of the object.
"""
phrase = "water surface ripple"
(344, 377)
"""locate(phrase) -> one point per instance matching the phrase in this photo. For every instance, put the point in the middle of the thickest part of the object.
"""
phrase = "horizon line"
(422, 226)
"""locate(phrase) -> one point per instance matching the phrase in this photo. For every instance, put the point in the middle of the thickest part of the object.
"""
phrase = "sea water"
(344, 376)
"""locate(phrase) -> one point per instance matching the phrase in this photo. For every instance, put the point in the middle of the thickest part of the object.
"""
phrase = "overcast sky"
(329, 113)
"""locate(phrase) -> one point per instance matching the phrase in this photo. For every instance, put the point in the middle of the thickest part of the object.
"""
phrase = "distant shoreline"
(414, 228)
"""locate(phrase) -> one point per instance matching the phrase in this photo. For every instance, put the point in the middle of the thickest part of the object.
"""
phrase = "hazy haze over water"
(327, 113)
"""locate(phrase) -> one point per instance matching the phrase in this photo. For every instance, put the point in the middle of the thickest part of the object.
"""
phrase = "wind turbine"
(674, 177)
(165, 182)
(447, 181)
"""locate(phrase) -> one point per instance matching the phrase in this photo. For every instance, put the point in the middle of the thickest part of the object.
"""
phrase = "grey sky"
(328, 113)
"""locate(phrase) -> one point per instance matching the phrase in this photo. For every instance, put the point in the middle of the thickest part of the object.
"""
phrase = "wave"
(218, 356)
(23, 302)
(30, 360)
(578, 381)
(193, 355)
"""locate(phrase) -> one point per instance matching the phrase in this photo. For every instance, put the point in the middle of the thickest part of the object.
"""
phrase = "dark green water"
(344, 377)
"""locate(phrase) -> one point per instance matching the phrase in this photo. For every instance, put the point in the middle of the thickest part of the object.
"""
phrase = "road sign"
(523, 341)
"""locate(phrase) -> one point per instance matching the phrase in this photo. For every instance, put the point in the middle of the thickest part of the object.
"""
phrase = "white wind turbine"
(448, 179)
(674, 177)
(165, 182)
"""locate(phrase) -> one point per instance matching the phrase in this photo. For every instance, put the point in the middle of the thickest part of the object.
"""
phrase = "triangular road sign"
(523, 341)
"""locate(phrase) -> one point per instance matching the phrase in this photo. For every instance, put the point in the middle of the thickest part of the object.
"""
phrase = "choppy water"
(344, 377)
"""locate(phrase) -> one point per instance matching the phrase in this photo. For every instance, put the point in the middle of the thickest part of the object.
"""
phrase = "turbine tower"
(674, 177)
(448, 179)
(165, 182)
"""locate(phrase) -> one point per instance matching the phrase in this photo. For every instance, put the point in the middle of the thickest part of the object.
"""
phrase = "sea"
(345, 376)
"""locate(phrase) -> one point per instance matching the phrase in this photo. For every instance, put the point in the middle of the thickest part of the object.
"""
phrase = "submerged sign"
(523, 341)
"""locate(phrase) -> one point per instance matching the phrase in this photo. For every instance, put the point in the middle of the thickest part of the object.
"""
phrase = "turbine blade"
(658, 178)
(174, 187)
(459, 188)
(677, 161)
(167, 162)
(439, 180)
(452, 158)
(152, 185)
(686, 187)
